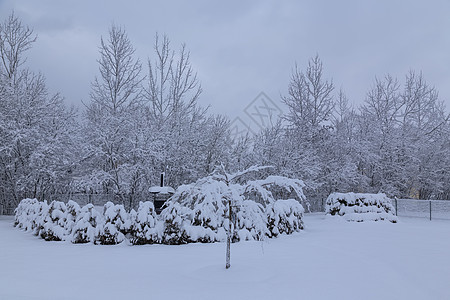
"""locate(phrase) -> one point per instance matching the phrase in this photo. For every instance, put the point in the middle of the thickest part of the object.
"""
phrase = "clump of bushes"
(197, 212)
(361, 207)
(177, 224)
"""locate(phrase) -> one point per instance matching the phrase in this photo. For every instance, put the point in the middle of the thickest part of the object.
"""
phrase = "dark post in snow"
(227, 265)
(430, 210)
(396, 211)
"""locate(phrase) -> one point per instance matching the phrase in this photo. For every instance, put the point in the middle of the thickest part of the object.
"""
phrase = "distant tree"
(118, 87)
(177, 122)
(173, 88)
(15, 39)
(112, 118)
(36, 144)
(310, 103)
(403, 128)
(310, 97)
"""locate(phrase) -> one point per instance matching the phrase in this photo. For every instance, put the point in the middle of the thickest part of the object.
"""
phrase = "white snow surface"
(330, 259)
(161, 190)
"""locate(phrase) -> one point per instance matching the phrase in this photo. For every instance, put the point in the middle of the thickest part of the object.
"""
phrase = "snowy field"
(330, 259)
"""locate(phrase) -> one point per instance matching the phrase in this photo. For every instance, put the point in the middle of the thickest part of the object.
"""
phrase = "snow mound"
(361, 207)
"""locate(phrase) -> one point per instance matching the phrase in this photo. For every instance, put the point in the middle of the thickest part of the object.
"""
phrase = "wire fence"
(430, 209)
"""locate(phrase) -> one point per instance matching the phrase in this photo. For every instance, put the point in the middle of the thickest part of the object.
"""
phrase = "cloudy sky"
(242, 48)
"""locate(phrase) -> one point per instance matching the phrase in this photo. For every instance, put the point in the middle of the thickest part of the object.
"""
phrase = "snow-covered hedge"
(361, 207)
(176, 225)
(198, 212)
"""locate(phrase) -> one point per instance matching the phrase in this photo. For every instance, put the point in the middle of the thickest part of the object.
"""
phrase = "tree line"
(143, 118)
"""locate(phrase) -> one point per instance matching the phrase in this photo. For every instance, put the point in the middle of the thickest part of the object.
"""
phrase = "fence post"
(430, 210)
(396, 209)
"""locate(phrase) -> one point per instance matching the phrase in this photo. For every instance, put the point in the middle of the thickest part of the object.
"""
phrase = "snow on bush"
(206, 200)
(176, 218)
(250, 222)
(72, 212)
(30, 215)
(198, 212)
(145, 229)
(25, 214)
(116, 223)
(210, 197)
(54, 221)
(85, 227)
(284, 216)
(361, 207)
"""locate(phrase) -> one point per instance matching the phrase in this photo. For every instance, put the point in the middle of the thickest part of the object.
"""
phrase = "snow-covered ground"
(330, 259)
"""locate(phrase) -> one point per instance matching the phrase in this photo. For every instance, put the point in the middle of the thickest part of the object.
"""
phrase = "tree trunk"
(227, 266)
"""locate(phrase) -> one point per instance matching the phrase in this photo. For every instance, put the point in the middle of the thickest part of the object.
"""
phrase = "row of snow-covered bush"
(361, 207)
(177, 224)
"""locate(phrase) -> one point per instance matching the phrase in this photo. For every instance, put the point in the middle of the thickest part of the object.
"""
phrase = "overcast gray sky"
(240, 48)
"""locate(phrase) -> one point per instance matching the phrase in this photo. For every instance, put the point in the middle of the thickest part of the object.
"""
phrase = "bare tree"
(310, 100)
(113, 114)
(173, 88)
(119, 84)
(15, 39)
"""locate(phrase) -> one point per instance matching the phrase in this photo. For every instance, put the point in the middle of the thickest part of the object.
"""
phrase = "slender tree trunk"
(227, 266)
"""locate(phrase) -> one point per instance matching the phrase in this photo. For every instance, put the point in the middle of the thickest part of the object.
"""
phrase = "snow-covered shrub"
(25, 214)
(72, 211)
(361, 207)
(208, 220)
(30, 215)
(85, 227)
(40, 213)
(251, 223)
(209, 214)
(54, 221)
(176, 219)
(284, 216)
(208, 205)
(146, 228)
(210, 197)
(116, 223)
